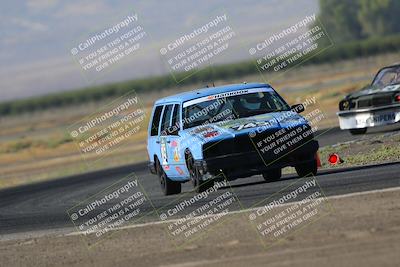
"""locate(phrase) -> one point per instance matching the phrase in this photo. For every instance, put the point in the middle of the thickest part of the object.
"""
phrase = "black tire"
(195, 176)
(358, 131)
(272, 175)
(307, 169)
(168, 186)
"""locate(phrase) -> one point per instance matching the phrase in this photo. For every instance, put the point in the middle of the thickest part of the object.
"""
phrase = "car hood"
(258, 123)
(371, 90)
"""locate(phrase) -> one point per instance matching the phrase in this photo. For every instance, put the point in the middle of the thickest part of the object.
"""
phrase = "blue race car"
(227, 132)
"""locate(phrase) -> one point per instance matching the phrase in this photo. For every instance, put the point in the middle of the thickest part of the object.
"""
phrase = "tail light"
(397, 98)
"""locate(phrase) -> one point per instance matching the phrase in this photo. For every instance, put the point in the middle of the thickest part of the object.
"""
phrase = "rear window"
(156, 121)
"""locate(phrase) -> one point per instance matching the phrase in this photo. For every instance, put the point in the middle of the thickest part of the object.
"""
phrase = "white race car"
(375, 105)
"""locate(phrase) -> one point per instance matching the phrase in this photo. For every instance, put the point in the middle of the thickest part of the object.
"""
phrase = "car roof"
(386, 67)
(390, 66)
(186, 96)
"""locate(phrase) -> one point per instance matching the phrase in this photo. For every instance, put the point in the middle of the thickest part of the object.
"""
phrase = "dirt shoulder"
(362, 230)
(364, 150)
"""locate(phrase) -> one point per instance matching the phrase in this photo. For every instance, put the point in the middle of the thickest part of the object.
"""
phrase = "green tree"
(340, 19)
(347, 20)
(379, 17)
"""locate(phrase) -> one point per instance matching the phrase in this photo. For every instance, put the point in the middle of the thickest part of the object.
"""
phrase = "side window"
(176, 116)
(156, 121)
(166, 118)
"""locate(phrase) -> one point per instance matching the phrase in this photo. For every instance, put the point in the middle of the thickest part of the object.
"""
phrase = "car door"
(164, 138)
(154, 130)
(175, 155)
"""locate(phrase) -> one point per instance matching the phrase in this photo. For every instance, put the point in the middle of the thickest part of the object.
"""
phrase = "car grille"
(242, 144)
(374, 101)
(239, 144)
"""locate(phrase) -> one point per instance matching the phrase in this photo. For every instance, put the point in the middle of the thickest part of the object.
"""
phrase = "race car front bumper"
(363, 118)
(248, 163)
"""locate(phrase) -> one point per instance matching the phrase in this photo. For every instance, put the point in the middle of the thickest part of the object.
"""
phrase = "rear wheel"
(307, 169)
(168, 186)
(358, 131)
(272, 175)
(195, 175)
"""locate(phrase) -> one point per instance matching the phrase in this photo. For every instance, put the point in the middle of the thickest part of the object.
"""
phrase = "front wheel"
(168, 186)
(272, 175)
(196, 177)
(307, 169)
(358, 131)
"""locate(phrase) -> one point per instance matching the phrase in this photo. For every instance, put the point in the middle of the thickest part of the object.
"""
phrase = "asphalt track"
(43, 206)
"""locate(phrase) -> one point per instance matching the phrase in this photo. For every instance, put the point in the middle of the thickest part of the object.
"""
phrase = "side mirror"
(172, 130)
(298, 108)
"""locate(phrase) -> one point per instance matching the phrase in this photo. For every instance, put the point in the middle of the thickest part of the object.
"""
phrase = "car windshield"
(387, 76)
(232, 106)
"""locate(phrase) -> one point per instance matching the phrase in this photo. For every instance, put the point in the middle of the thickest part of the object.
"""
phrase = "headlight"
(347, 104)
(344, 105)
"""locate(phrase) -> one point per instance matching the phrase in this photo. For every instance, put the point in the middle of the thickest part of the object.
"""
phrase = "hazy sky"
(36, 36)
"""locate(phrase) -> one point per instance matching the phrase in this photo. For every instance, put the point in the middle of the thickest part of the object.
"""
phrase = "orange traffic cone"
(319, 165)
(334, 159)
